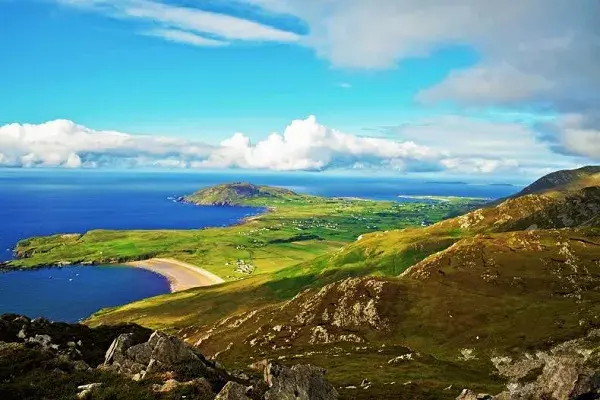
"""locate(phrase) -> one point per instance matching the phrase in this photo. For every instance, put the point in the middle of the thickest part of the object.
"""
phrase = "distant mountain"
(575, 178)
(238, 193)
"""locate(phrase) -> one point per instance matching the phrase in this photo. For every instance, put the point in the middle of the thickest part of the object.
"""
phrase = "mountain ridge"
(561, 179)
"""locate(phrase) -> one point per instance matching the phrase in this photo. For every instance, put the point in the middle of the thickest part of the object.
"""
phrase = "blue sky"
(375, 75)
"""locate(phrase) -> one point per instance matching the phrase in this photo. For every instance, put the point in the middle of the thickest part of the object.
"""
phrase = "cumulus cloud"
(304, 145)
(63, 143)
(449, 144)
(308, 145)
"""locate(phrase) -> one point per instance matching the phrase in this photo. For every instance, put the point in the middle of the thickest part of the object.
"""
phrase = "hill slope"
(434, 306)
(533, 211)
(575, 178)
(441, 323)
(239, 193)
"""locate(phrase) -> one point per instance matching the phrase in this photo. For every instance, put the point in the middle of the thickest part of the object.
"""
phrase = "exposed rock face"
(300, 382)
(355, 305)
(570, 370)
(160, 352)
(339, 312)
(233, 391)
(342, 312)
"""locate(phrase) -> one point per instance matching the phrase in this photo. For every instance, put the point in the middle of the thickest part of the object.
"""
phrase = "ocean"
(43, 202)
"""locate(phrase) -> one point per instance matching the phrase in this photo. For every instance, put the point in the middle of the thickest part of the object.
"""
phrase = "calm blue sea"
(43, 202)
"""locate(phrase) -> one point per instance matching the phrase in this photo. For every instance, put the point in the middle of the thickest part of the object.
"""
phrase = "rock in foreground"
(42, 359)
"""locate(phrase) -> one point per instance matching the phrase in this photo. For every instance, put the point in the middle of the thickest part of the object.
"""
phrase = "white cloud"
(480, 165)
(63, 143)
(449, 144)
(482, 146)
(532, 52)
(304, 145)
(344, 85)
(175, 35)
(472, 137)
(576, 134)
(488, 85)
(185, 24)
(308, 145)
(583, 141)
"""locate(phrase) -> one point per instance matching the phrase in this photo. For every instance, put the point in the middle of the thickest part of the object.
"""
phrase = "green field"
(295, 228)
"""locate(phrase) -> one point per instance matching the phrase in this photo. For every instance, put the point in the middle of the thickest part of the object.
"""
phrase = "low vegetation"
(403, 310)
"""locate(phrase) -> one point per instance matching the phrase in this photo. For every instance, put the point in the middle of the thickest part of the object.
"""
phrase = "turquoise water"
(43, 202)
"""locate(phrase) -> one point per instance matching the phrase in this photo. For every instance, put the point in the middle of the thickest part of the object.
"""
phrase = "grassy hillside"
(480, 296)
(433, 307)
(241, 193)
(564, 180)
(453, 311)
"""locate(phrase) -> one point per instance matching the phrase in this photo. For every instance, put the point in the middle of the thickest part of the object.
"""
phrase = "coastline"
(181, 275)
(7, 265)
(264, 210)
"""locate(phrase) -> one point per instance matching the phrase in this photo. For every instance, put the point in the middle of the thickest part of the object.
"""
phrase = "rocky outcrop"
(570, 370)
(160, 353)
(300, 382)
(233, 391)
(74, 342)
(470, 395)
(345, 311)
(162, 365)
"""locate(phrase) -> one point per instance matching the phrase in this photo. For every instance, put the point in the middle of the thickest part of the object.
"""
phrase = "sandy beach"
(181, 275)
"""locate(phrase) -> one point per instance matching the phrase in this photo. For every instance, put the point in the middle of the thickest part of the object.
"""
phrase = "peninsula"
(293, 228)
